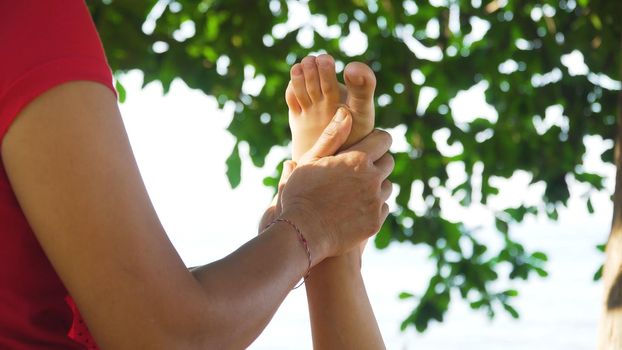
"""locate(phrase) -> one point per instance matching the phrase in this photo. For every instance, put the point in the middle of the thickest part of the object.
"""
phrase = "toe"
(328, 77)
(299, 86)
(360, 81)
(312, 78)
(360, 84)
(291, 100)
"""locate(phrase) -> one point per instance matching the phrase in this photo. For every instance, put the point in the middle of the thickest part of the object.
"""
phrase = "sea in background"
(180, 143)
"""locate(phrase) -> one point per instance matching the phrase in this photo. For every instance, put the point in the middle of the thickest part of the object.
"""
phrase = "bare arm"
(341, 315)
(71, 166)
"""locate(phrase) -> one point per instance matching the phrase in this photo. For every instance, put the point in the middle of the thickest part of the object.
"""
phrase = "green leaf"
(598, 274)
(234, 167)
(540, 256)
(552, 214)
(590, 207)
(511, 293)
(405, 295)
(502, 226)
(593, 179)
(120, 90)
(512, 311)
(383, 238)
(541, 272)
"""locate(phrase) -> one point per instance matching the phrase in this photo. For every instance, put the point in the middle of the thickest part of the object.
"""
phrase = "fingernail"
(341, 114)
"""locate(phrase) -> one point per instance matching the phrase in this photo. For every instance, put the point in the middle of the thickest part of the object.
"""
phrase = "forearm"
(245, 288)
(341, 315)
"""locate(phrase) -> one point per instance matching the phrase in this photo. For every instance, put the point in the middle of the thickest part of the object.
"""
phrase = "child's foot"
(314, 94)
(312, 97)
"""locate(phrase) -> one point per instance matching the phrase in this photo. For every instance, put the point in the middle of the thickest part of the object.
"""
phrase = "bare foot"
(314, 94)
(312, 97)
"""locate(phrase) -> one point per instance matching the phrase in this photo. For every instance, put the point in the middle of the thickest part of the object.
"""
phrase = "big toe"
(360, 83)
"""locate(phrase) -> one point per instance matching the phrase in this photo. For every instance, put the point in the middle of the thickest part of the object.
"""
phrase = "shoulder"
(44, 44)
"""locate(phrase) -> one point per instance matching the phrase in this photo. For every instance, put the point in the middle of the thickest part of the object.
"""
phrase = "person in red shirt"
(77, 229)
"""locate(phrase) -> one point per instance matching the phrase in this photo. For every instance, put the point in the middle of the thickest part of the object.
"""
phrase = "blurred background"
(503, 115)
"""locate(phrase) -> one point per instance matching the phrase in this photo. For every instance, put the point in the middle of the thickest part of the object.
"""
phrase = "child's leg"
(314, 94)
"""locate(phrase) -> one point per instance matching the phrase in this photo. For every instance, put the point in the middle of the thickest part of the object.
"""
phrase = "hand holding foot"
(328, 143)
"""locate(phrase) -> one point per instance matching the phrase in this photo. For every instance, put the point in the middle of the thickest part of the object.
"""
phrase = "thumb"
(332, 138)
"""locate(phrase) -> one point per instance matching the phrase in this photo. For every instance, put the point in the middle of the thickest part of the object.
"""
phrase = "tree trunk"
(610, 328)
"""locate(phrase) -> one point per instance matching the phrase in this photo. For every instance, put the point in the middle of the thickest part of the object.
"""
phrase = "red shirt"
(42, 44)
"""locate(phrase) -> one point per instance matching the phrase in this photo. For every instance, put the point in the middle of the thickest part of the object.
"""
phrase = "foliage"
(519, 59)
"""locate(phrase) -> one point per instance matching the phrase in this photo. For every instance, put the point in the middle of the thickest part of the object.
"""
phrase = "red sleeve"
(44, 44)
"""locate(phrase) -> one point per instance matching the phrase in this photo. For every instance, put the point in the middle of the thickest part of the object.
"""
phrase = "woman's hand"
(316, 192)
(331, 139)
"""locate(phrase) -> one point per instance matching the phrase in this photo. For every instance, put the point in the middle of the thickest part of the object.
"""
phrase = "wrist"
(341, 272)
(349, 263)
(317, 242)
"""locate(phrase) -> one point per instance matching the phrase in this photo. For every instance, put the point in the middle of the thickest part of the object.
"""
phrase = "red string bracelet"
(305, 244)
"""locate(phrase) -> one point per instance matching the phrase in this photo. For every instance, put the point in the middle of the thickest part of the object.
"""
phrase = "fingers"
(385, 164)
(375, 145)
(384, 213)
(332, 138)
(386, 188)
